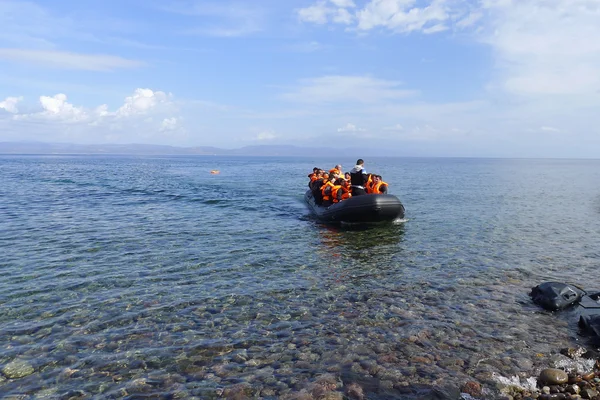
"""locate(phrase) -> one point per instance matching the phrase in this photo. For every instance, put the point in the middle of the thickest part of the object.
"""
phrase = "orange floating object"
(215, 171)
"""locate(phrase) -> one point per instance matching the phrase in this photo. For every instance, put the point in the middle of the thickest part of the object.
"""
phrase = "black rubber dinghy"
(368, 208)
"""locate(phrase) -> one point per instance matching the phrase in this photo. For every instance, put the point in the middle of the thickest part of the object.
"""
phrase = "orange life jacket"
(326, 190)
(376, 187)
(369, 185)
(345, 193)
(335, 171)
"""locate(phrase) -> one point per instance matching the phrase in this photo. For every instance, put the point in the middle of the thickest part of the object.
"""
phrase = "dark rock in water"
(556, 295)
(354, 391)
(553, 376)
(553, 396)
(471, 388)
(442, 393)
(573, 389)
(17, 369)
(591, 355)
(589, 393)
(589, 376)
(573, 352)
(590, 323)
(73, 395)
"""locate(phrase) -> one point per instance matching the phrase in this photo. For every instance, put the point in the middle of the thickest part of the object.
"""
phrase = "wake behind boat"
(369, 208)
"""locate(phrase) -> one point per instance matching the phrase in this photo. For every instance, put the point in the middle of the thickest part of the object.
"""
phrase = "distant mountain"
(151, 149)
(69, 148)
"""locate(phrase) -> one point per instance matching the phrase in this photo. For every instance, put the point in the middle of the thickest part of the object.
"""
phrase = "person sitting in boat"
(347, 177)
(313, 176)
(337, 171)
(319, 180)
(369, 184)
(379, 186)
(358, 178)
(341, 190)
(316, 177)
(318, 185)
(326, 191)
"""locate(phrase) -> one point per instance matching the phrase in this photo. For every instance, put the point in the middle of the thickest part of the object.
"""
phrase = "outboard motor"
(555, 296)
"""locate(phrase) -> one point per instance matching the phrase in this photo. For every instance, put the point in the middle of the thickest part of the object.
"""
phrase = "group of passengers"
(334, 186)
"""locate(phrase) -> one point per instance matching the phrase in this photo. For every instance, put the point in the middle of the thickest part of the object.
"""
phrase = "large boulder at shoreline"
(555, 296)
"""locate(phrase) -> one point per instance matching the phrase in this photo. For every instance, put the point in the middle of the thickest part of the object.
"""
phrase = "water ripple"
(150, 277)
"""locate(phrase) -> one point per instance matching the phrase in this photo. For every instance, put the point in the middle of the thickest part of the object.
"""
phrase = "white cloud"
(545, 47)
(169, 124)
(322, 11)
(343, 3)
(67, 60)
(469, 20)
(58, 107)
(220, 18)
(549, 129)
(542, 47)
(435, 29)
(396, 127)
(350, 128)
(146, 115)
(102, 110)
(10, 104)
(343, 89)
(142, 101)
(342, 16)
(425, 132)
(317, 13)
(400, 16)
(27, 24)
(266, 135)
(306, 47)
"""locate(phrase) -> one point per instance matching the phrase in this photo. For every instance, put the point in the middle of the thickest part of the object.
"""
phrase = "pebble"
(553, 376)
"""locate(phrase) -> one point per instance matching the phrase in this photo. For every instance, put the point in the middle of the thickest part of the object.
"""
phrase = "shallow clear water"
(140, 276)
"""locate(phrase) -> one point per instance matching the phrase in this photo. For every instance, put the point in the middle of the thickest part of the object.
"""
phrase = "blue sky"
(507, 78)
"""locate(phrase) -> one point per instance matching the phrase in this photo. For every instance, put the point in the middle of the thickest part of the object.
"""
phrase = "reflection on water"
(358, 253)
(359, 237)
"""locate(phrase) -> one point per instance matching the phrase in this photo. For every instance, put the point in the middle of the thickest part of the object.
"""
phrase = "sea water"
(146, 275)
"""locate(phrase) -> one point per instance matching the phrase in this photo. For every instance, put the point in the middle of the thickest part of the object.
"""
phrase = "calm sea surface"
(136, 277)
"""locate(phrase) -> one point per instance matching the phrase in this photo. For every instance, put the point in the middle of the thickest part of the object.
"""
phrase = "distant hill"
(150, 149)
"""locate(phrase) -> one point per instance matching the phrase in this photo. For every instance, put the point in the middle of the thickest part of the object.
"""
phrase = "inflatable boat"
(368, 208)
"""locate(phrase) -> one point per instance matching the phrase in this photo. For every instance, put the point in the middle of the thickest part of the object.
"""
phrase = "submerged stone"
(17, 369)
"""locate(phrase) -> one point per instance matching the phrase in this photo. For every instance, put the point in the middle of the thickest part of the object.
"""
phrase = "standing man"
(358, 178)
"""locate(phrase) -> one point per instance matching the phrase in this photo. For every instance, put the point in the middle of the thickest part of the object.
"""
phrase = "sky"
(475, 78)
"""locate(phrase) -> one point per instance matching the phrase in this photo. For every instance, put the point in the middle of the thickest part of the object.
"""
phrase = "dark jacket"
(358, 176)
